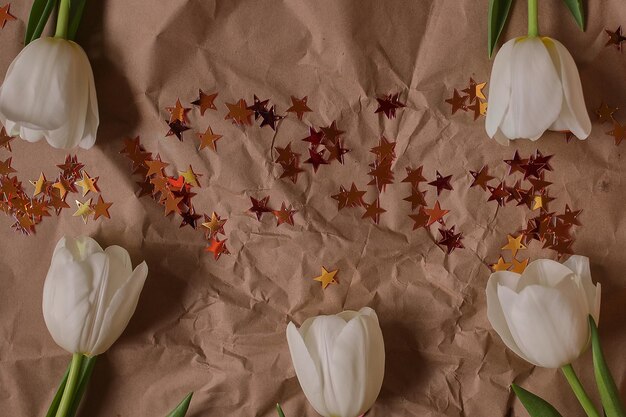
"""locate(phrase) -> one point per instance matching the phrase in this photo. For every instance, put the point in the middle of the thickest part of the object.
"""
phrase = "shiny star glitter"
(475, 90)
(441, 183)
(515, 164)
(457, 102)
(450, 240)
(519, 266)
(214, 225)
(156, 167)
(389, 104)
(615, 38)
(208, 139)
(178, 113)
(618, 132)
(291, 170)
(84, 210)
(190, 218)
(299, 107)
(501, 265)
(88, 184)
(5, 139)
(190, 177)
(259, 107)
(570, 217)
(331, 133)
(481, 178)
(373, 211)
(284, 215)
(260, 206)
(5, 15)
(514, 244)
(316, 159)
(435, 214)
(315, 137)
(205, 101)
(336, 151)
(327, 278)
(479, 108)
(217, 248)
(605, 113)
(101, 209)
(41, 185)
(177, 128)
(239, 113)
(270, 118)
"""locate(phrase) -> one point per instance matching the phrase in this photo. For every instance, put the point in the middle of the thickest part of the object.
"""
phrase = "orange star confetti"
(618, 132)
(214, 225)
(284, 215)
(41, 185)
(88, 184)
(435, 214)
(178, 113)
(481, 178)
(501, 265)
(217, 248)
(5, 15)
(205, 101)
(457, 102)
(208, 139)
(299, 107)
(514, 244)
(239, 113)
(373, 211)
(101, 209)
(5, 139)
(327, 278)
(519, 266)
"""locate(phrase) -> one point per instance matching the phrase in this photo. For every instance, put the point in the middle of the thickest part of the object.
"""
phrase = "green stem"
(533, 18)
(63, 20)
(70, 387)
(579, 391)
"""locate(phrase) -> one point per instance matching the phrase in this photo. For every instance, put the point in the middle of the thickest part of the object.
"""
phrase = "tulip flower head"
(339, 361)
(542, 315)
(90, 294)
(49, 92)
(535, 87)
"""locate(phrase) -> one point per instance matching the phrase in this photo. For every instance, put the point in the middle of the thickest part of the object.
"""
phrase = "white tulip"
(49, 92)
(339, 361)
(90, 294)
(535, 87)
(542, 315)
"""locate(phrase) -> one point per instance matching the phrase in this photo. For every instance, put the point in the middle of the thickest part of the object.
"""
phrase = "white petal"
(307, 370)
(544, 272)
(499, 88)
(547, 323)
(495, 313)
(81, 246)
(536, 92)
(35, 87)
(93, 116)
(574, 115)
(120, 310)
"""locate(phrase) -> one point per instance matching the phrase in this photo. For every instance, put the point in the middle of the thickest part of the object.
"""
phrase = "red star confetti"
(457, 102)
(481, 178)
(217, 248)
(441, 183)
(284, 215)
(299, 107)
(5, 15)
(389, 104)
(450, 240)
(208, 139)
(373, 211)
(615, 38)
(260, 206)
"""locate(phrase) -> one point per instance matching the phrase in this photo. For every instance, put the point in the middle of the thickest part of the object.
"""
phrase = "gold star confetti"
(88, 184)
(239, 113)
(190, 177)
(84, 210)
(178, 113)
(61, 188)
(156, 167)
(475, 90)
(101, 208)
(208, 139)
(205, 102)
(326, 278)
(519, 266)
(40, 185)
(501, 265)
(514, 245)
(214, 225)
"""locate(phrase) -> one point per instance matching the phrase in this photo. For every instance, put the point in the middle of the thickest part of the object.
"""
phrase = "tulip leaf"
(280, 411)
(578, 11)
(54, 406)
(181, 409)
(536, 406)
(83, 379)
(498, 13)
(604, 380)
(78, 7)
(39, 16)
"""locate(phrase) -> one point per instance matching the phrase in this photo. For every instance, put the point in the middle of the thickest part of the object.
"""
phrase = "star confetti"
(217, 248)
(178, 113)
(84, 210)
(450, 240)
(389, 104)
(326, 278)
(208, 139)
(414, 176)
(284, 215)
(514, 244)
(88, 184)
(481, 178)
(373, 211)
(177, 128)
(519, 266)
(352, 198)
(214, 225)
(299, 107)
(316, 159)
(205, 102)
(618, 132)
(615, 38)
(259, 107)
(101, 208)
(5, 139)
(457, 102)
(260, 206)
(475, 91)
(441, 183)
(435, 214)
(5, 15)
(500, 265)
(270, 118)
(474, 99)
(240, 113)
(605, 113)
(420, 219)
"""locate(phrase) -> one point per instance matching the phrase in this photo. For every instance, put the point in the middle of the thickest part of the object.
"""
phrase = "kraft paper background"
(217, 328)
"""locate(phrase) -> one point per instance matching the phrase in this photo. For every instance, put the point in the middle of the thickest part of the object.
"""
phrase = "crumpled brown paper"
(217, 328)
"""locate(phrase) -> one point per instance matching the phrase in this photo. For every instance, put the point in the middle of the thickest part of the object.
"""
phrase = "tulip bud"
(542, 315)
(90, 294)
(49, 92)
(339, 361)
(535, 87)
